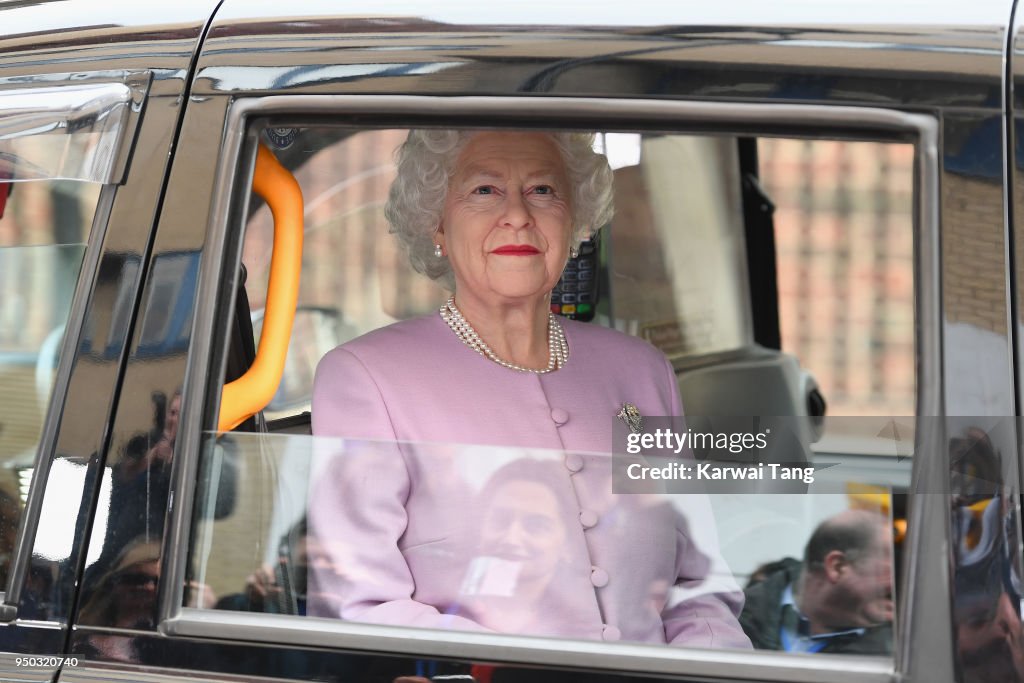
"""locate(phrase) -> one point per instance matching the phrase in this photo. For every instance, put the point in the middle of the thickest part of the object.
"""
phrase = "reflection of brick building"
(973, 288)
(844, 227)
(350, 262)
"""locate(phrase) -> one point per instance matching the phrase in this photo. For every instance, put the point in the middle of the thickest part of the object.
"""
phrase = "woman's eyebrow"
(546, 172)
(480, 172)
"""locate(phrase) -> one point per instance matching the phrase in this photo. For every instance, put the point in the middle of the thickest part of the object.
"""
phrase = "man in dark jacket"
(839, 599)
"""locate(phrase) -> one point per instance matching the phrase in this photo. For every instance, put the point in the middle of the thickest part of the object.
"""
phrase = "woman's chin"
(524, 294)
(525, 286)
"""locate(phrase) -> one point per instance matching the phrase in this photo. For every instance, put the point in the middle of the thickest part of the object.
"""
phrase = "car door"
(90, 104)
(330, 97)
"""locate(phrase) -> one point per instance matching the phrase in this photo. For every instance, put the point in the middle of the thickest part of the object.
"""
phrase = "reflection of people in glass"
(523, 525)
(839, 599)
(125, 597)
(281, 588)
(987, 609)
(495, 215)
(991, 643)
(10, 518)
(987, 573)
(521, 550)
(140, 483)
(159, 447)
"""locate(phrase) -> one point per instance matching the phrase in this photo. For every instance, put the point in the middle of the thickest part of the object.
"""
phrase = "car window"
(58, 151)
(420, 531)
(842, 235)
(43, 235)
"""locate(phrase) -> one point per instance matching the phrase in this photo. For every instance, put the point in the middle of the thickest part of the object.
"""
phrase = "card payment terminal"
(575, 295)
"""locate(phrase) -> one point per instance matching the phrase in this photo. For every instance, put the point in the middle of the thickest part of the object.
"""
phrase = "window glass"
(437, 519)
(44, 228)
(535, 542)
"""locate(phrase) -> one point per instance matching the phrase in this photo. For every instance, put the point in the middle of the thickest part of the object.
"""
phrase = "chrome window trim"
(22, 555)
(756, 665)
(98, 671)
(794, 120)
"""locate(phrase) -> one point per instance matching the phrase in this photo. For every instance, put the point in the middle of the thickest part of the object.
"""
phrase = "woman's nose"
(516, 212)
(514, 540)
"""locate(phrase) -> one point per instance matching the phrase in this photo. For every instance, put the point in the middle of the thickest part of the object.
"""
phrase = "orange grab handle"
(251, 392)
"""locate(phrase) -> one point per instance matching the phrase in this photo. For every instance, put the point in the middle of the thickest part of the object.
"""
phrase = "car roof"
(879, 52)
(907, 53)
(69, 36)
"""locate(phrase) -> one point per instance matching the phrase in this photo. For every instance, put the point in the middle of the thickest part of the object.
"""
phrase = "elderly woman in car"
(496, 215)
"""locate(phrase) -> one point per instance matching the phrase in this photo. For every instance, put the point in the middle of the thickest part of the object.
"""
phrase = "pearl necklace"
(558, 349)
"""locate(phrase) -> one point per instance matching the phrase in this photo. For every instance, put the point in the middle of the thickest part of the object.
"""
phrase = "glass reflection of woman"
(521, 548)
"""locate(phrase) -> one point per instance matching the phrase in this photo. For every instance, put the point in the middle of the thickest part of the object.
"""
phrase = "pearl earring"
(437, 251)
(574, 252)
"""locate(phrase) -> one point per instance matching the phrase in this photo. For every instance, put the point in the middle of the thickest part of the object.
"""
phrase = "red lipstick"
(516, 250)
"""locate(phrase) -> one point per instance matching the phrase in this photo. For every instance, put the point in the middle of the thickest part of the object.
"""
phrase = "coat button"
(588, 518)
(573, 462)
(560, 416)
(598, 577)
(610, 633)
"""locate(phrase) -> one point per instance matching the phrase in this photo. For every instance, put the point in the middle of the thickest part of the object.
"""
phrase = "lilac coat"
(401, 520)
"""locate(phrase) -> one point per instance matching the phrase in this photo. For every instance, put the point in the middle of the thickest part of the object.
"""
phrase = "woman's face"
(522, 524)
(507, 218)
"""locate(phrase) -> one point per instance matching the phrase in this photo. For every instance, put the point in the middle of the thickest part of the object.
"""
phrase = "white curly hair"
(426, 162)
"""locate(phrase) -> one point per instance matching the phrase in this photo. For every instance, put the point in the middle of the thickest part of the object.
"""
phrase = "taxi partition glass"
(535, 542)
(676, 267)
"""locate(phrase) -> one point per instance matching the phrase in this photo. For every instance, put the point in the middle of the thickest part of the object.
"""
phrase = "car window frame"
(219, 273)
